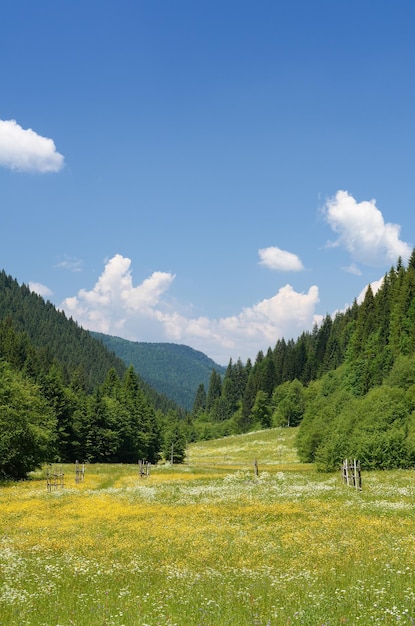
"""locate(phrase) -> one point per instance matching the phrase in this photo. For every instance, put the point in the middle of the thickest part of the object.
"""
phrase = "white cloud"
(352, 269)
(114, 303)
(26, 151)
(363, 232)
(277, 259)
(140, 313)
(70, 263)
(40, 289)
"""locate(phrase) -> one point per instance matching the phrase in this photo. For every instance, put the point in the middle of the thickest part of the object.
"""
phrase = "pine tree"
(244, 420)
(214, 389)
(174, 441)
(233, 388)
(199, 404)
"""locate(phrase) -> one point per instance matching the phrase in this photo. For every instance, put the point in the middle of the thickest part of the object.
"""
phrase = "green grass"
(209, 543)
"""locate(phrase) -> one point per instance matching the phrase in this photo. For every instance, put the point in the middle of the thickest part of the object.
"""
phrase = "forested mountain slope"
(349, 384)
(64, 396)
(174, 370)
(60, 339)
(57, 336)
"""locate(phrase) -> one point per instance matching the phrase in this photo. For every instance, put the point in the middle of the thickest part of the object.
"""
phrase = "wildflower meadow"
(220, 540)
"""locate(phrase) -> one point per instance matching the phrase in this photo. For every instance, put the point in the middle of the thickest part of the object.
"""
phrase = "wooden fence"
(54, 478)
(351, 474)
(144, 468)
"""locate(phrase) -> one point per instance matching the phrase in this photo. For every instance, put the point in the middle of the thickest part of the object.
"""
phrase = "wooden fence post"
(79, 471)
(357, 475)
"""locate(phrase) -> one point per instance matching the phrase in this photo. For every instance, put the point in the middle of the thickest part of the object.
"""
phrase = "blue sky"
(214, 173)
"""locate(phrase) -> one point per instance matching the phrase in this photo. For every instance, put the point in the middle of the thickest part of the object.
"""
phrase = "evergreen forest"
(348, 385)
(65, 397)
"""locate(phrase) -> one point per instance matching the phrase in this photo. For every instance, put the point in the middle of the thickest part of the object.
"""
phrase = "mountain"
(174, 370)
(65, 396)
(59, 338)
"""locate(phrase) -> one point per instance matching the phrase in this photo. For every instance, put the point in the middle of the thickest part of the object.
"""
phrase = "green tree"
(100, 438)
(214, 389)
(199, 404)
(27, 425)
(174, 441)
(233, 388)
(261, 411)
(62, 401)
(325, 399)
(288, 400)
(366, 321)
(244, 418)
(140, 432)
(265, 373)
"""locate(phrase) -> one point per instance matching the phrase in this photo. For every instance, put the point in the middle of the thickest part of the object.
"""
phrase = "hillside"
(173, 370)
(273, 447)
(64, 396)
(59, 338)
(349, 385)
(55, 338)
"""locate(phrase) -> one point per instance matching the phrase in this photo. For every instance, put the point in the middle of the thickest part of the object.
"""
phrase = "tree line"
(349, 384)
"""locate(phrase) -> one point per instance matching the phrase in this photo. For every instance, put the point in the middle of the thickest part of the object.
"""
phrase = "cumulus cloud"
(141, 313)
(363, 231)
(114, 302)
(26, 151)
(40, 289)
(276, 259)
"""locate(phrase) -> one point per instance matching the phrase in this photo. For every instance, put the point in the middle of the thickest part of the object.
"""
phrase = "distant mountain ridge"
(174, 370)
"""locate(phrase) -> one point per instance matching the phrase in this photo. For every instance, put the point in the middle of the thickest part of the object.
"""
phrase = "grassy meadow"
(209, 543)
